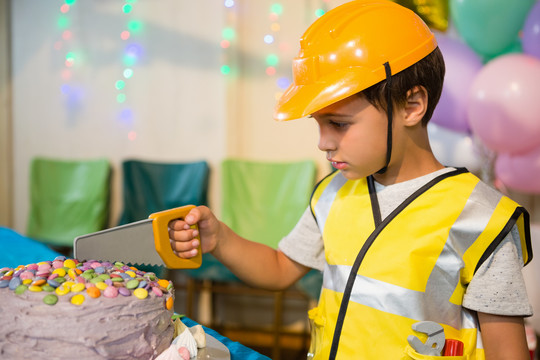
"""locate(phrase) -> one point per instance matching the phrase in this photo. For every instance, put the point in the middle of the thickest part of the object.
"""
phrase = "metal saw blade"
(131, 243)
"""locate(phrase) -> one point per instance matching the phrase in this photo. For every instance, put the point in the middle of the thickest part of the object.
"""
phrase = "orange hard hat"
(344, 51)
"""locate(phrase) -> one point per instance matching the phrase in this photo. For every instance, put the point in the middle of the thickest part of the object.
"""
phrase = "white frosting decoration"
(170, 354)
(186, 340)
(200, 337)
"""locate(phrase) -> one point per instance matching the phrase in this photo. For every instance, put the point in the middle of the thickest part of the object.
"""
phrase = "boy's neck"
(397, 173)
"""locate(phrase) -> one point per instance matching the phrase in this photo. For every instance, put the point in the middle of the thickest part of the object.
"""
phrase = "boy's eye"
(338, 124)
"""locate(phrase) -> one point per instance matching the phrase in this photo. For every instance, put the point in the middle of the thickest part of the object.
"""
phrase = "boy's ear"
(416, 105)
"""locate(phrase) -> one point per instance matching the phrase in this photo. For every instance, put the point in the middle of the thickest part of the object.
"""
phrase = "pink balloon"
(462, 66)
(504, 104)
(520, 172)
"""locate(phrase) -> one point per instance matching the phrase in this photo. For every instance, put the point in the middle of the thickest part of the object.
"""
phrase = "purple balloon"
(531, 32)
(462, 65)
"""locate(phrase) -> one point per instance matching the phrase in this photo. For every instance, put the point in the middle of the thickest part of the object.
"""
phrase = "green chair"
(68, 198)
(149, 187)
(261, 201)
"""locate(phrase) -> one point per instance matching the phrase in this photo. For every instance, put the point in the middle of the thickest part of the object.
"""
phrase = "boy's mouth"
(338, 164)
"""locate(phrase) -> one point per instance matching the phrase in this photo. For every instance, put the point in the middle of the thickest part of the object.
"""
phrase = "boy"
(400, 238)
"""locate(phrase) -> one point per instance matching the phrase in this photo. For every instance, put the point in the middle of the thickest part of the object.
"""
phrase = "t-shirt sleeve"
(304, 243)
(498, 286)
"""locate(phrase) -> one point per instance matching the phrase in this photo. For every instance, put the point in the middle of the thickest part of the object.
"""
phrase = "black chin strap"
(389, 107)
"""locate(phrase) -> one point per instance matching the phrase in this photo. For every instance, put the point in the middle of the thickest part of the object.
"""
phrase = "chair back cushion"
(149, 187)
(68, 198)
(263, 201)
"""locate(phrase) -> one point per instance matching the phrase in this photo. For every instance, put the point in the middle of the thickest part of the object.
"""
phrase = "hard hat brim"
(310, 98)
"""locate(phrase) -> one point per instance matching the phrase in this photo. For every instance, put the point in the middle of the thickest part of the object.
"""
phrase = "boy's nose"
(325, 142)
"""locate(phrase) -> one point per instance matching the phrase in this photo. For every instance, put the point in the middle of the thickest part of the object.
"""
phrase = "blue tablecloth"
(16, 249)
(237, 350)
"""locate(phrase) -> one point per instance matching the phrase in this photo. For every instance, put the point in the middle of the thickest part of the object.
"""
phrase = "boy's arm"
(254, 263)
(503, 337)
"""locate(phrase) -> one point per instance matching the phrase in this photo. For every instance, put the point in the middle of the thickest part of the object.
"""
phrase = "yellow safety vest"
(382, 276)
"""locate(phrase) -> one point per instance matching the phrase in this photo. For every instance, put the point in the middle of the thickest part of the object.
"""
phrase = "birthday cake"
(84, 310)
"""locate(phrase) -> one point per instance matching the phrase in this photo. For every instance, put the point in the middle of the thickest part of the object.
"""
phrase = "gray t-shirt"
(497, 287)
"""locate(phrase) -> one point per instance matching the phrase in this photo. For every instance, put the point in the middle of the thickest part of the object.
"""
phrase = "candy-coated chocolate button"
(44, 267)
(62, 290)
(35, 288)
(132, 284)
(104, 277)
(140, 293)
(101, 285)
(50, 299)
(110, 292)
(21, 289)
(163, 283)
(169, 303)
(93, 292)
(26, 275)
(124, 291)
(69, 263)
(39, 282)
(157, 291)
(47, 288)
(60, 272)
(14, 282)
(77, 299)
(77, 287)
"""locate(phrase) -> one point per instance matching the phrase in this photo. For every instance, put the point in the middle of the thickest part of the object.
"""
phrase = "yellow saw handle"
(160, 226)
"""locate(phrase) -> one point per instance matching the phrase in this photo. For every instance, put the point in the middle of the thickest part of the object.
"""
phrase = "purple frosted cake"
(84, 310)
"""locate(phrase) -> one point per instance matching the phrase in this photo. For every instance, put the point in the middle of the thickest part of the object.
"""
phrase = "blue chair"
(149, 187)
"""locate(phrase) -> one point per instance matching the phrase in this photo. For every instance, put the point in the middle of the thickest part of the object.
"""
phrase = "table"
(237, 350)
(16, 249)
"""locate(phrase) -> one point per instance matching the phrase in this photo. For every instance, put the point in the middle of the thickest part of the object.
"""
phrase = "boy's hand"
(182, 236)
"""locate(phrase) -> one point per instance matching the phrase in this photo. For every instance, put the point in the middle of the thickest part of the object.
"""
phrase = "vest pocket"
(316, 322)
(412, 354)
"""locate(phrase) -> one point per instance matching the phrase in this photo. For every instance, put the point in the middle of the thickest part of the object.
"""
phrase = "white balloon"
(454, 148)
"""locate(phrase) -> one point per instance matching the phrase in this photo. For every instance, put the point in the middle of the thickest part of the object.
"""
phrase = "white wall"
(6, 155)
(183, 108)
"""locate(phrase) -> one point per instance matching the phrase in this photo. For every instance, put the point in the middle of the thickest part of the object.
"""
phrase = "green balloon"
(514, 47)
(489, 27)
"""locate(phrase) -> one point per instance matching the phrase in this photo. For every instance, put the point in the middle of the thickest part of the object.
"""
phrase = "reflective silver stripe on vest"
(322, 208)
(433, 304)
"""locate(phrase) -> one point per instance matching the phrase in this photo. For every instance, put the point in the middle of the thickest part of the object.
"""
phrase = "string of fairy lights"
(130, 57)
(132, 51)
(64, 45)
(275, 47)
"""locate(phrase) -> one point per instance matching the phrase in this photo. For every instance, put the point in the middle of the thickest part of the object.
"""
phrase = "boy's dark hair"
(428, 72)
